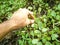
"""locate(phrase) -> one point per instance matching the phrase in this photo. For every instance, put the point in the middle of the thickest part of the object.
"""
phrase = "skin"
(19, 19)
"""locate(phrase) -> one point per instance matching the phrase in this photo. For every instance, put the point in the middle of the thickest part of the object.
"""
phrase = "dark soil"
(12, 40)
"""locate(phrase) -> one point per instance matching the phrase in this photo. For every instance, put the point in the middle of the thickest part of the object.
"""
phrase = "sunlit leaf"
(44, 29)
(48, 43)
(54, 36)
(39, 43)
(34, 41)
(53, 13)
(58, 6)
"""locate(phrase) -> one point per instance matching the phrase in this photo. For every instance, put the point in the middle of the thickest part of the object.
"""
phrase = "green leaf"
(34, 41)
(44, 40)
(57, 43)
(54, 36)
(39, 10)
(58, 17)
(32, 33)
(48, 38)
(36, 31)
(58, 7)
(53, 13)
(48, 43)
(39, 43)
(44, 29)
(20, 42)
(45, 20)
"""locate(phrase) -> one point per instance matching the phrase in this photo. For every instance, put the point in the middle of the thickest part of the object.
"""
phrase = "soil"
(10, 40)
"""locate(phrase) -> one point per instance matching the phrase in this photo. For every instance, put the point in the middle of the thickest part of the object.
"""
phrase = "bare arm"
(5, 28)
(19, 19)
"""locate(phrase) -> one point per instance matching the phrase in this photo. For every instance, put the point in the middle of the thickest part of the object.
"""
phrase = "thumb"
(29, 21)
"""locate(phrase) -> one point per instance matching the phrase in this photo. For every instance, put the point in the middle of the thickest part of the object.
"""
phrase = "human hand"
(20, 18)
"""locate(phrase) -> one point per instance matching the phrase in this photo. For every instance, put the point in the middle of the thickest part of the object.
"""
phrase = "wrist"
(11, 24)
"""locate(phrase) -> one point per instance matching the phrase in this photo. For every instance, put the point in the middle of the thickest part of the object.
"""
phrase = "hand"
(20, 18)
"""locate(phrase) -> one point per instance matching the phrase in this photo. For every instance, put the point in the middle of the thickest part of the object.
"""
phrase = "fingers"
(27, 12)
(30, 16)
(28, 21)
(31, 21)
(24, 11)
